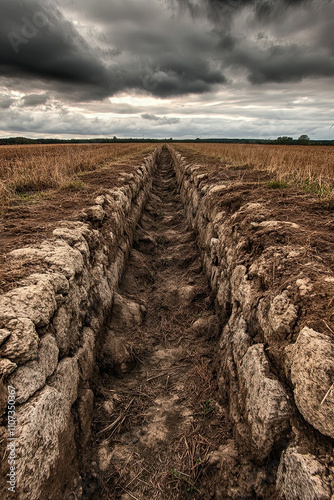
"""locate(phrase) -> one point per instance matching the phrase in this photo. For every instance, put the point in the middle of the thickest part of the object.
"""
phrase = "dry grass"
(310, 167)
(35, 168)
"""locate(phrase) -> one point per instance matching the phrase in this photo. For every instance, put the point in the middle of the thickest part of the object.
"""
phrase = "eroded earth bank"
(175, 343)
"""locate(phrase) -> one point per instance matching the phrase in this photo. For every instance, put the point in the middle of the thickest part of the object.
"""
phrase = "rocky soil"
(175, 341)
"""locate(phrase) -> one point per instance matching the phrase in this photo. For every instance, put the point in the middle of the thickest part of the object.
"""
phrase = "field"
(28, 169)
(168, 322)
(310, 168)
(25, 170)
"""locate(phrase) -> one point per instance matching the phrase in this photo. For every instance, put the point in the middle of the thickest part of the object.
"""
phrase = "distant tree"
(304, 139)
(284, 140)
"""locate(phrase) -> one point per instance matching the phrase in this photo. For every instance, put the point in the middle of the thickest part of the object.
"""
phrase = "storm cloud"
(160, 119)
(71, 55)
(34, 100)
(6, 102)
(38, 41)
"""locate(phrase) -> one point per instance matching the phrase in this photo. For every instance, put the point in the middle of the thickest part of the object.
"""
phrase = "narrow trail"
(157, 417)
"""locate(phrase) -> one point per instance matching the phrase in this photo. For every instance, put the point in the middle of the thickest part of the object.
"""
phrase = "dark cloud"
(6, 102)
(268, 10)
(141, 48)
(222, 12)
(289, 55)
(33, 100)
(70, 53)
(148, 116)
(283, 43)
(281, 64)
(39, 43)
(160, 119)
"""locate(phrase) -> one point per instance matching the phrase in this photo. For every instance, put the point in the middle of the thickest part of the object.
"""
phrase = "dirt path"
(157, 416)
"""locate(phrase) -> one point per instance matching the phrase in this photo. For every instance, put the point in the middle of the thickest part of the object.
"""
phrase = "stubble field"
(25, 170)
(310, 168)
(29, 169)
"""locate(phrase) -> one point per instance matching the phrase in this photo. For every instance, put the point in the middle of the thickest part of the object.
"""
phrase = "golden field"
(309, 167)
(39, 167)
(34, 168)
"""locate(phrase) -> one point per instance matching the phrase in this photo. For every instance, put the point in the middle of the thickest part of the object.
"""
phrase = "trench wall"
(50, 331)
(274, 372)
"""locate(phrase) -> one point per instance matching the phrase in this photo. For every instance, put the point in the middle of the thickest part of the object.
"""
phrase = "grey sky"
(162, 68)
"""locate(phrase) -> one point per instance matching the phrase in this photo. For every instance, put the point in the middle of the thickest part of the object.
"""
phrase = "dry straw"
(34, 168)
(309, 167)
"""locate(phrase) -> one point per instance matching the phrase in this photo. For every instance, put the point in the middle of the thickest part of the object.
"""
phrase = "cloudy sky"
(167, 68)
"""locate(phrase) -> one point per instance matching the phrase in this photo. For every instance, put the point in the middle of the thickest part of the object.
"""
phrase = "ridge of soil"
(245, 184)
(29, 223)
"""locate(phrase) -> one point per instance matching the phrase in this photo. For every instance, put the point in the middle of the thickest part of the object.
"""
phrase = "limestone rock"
(36, 302)
(301, 476)
(215, 250)
(31, 377)
(74, 234)
(109, 407)
(282, 315)
(104, 291)
(266, 402)
(85, 354)
(277, 318)
(305, 286)
(65, 380)
(58, 253)
(239, 338)
(6, 368)
(93, 214)
(100, 200)
(223, 295)
(312, 375)
(275, 225)
(120, 199)
(217, 189)
(199, 178)
(4, 335)
(61, 322)
(126, 313)
(58, 281)
(66, 258)
(85, 412)
(41, 423)
(28, 253)
(22, 344)
(241, 288)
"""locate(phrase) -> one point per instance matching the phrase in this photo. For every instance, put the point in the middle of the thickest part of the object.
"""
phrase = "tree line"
(284, 140)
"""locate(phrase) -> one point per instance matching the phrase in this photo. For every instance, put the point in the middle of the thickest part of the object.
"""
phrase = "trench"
(139, 379)
(157, 416)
